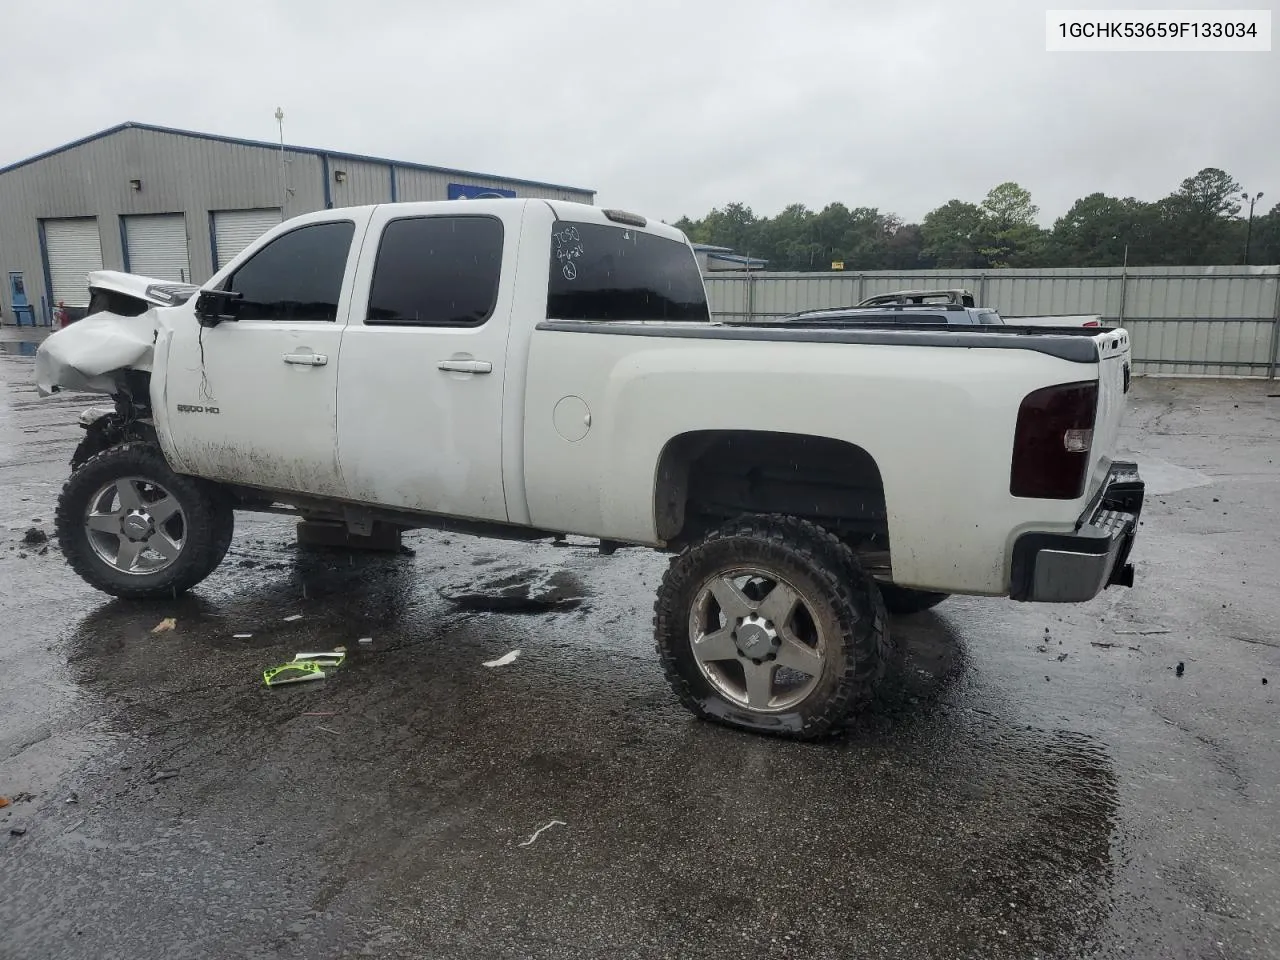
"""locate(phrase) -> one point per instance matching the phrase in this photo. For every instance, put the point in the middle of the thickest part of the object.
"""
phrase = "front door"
(22, 313)
(253, 400)
(424, 357)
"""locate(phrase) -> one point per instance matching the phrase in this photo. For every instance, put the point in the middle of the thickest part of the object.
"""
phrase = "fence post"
(751, 298)
(1124, 293)
(860, 292)
(982, 290)
(1275, 333)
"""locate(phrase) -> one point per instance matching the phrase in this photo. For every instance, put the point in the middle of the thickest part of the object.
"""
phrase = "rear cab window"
(603, 272)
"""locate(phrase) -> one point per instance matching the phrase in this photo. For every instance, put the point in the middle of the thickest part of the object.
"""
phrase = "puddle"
(1162, 477)
(515, 590)
(19, 348)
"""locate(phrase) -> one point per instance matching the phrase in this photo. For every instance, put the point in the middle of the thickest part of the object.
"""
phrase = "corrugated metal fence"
(1200, 321)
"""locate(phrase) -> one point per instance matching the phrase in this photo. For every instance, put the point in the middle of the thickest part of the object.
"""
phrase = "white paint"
(290, 619)
(503, 660)
(553, 823)
(241, 636)
(953, 416)
(365, 640)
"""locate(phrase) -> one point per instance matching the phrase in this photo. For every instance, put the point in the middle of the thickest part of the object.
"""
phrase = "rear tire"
(133, 528)
(762, 601)
(903, 601)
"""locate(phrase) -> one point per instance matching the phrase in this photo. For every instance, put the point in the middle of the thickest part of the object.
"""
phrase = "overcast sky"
(663, 107)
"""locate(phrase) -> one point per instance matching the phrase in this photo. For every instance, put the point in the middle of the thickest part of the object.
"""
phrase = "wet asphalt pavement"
(1038, 781)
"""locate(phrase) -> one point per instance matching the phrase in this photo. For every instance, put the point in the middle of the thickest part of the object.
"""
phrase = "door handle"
(465, 366)
(307, 359)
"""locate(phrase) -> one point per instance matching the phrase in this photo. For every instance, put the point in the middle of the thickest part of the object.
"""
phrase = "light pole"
(284, 187)
(1248, 235)
(1125, 265)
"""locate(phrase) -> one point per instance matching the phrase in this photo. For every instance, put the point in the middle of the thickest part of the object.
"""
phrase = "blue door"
(22, 313)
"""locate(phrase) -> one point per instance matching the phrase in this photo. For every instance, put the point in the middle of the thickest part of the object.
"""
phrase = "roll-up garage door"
(157, 246)
(74, 250)
(233, 230)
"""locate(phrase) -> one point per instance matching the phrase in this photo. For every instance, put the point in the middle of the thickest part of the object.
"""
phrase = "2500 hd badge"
(195, 408)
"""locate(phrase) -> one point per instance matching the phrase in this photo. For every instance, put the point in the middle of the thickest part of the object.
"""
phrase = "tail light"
(1092, 323)
(1052, 442)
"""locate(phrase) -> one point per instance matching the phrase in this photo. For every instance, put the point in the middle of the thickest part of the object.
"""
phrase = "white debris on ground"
(553, 823)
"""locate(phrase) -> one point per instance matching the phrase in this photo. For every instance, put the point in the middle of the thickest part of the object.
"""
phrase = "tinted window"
(295, 277)
(990, 318)
(442, 271)
(600, 272)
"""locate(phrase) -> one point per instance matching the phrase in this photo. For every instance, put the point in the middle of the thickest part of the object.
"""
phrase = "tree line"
(1204, 222)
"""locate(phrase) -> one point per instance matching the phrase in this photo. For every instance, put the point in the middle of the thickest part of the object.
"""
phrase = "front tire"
(769, 625)
(133, 528)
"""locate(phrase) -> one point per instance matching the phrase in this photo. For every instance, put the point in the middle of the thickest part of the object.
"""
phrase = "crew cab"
(528, 369)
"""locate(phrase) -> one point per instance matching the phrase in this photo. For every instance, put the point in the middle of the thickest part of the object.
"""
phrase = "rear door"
(424, 358)
(253, 400)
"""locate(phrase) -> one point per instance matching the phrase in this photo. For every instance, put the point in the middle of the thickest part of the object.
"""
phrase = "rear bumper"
(1075, 567)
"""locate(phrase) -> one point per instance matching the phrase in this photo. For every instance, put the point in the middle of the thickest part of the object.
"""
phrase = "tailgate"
(1114, 379)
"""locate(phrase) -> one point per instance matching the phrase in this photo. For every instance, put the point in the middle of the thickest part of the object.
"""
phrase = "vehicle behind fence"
(1196, 321)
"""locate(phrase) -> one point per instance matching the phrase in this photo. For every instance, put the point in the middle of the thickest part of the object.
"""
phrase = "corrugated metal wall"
(361, 182)
(192, 175)
(1204, 321)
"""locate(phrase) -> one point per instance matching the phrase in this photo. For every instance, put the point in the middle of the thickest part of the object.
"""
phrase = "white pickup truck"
(528, 369)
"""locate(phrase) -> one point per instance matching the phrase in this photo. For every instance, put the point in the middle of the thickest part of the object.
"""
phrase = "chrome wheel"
(135, 526)
(756, 640)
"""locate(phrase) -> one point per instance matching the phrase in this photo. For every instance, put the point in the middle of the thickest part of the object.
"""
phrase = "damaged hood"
(84, 355)
(159, 293)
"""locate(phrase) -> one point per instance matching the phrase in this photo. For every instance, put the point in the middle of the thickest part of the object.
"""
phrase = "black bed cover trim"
(1061, 343)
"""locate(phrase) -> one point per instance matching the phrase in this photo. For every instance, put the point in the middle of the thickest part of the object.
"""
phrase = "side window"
(437, 271)
(600, 272)
(297, 276)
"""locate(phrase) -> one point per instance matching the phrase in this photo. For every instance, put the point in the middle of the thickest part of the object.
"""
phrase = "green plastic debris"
(305, 666)
(300, 671)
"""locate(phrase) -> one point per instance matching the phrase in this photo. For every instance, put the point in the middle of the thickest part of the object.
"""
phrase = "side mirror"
(216, 306)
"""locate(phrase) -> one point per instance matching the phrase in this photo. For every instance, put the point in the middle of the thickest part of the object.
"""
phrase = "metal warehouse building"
(178, 205)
